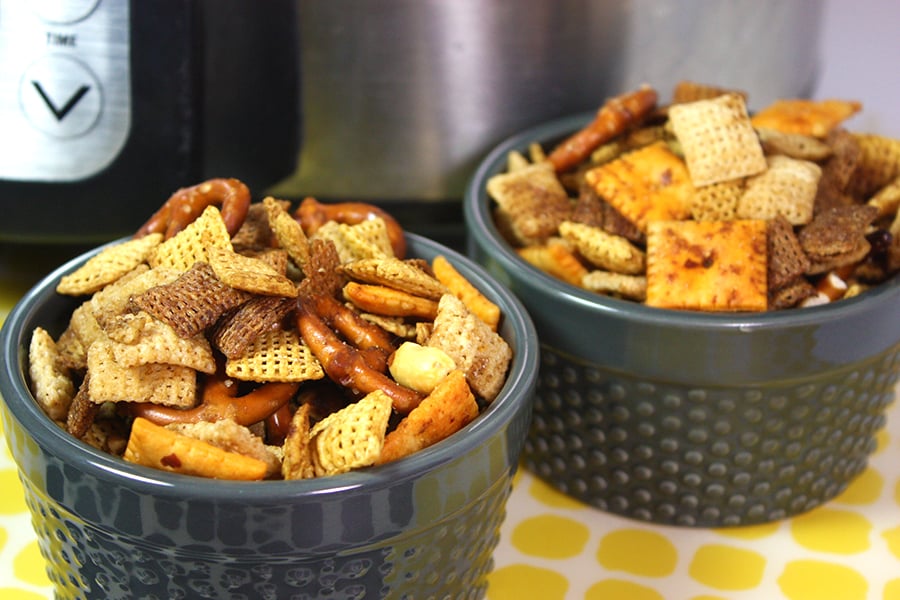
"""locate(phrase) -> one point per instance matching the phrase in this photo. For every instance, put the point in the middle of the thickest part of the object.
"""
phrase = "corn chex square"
(787, 187)
(717, 138)
(718, 201)
(139, 339)
(648, 184)
(533, 201)
(278, 355)
(481, 353)
(169, 385)
(710, 266)
(249, 274)
(351, 437)
(368, 238)
(108, 265)
(50, 380)
(397, 274)
(190, 245)
(287, 231)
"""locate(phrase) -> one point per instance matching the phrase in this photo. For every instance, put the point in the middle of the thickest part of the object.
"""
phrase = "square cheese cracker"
(710, 266)
(648, 184)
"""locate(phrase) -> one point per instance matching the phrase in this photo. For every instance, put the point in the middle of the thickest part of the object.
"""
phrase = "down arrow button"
(61, 112)
(60, 96)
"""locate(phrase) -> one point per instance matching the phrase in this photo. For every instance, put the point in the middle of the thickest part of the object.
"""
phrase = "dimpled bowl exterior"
(693, 419)
(423, 527)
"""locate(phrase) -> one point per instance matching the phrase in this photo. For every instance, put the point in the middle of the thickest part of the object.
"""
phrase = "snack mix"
(239, 340)
(698, 205)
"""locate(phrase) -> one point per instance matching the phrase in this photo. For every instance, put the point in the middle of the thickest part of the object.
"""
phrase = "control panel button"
(60, 96)
(63, 11)
(65, 87)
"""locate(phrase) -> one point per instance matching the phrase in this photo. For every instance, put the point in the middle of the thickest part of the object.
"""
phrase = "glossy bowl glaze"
(423, 527)
(687, 418)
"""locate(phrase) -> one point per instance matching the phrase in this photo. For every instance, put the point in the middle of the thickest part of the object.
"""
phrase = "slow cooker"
(108, 106)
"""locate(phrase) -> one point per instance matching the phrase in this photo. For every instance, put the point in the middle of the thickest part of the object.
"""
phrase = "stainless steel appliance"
(107, 106)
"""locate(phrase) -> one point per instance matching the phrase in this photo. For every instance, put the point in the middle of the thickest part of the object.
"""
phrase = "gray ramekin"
(423, 527)
(693, 419)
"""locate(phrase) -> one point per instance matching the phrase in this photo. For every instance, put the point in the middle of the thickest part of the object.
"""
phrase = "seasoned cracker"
(555, 258)
(463, 289)
(814, 118)
(383, 300)
(276, 355)
(108, 265)
(297, 461)
(51, 380)
(169, 385)
(287, 231)
(794, 145)
(352, 437)
(647, 184)
(249, 274)
(787, 187)
(447, 409)
(192, 244)
(707, 266)
(154, 446)
(604, 250)
(397, 274)
(397, 326)
(632, 287)
(232, 437)
(533, 199)
(717, 138)
(482, 354)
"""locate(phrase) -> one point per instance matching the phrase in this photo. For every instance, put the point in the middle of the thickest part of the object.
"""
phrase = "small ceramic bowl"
(423, 527)
(686, 418)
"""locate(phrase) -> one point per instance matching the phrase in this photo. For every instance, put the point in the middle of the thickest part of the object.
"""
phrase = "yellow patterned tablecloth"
(555, 548)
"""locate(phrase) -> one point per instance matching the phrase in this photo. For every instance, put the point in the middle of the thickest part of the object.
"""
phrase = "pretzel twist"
(312, 214)
(614, 117)
(347, 365)
(219, 400)
(188, 203)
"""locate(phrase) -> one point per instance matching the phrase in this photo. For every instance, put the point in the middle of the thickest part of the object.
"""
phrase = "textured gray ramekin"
(423, 527)
(686, 418)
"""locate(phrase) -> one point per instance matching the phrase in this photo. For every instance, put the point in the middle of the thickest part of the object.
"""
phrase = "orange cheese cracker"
(710, 266)
(154, 446)
(807, 117)
(649, 184)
